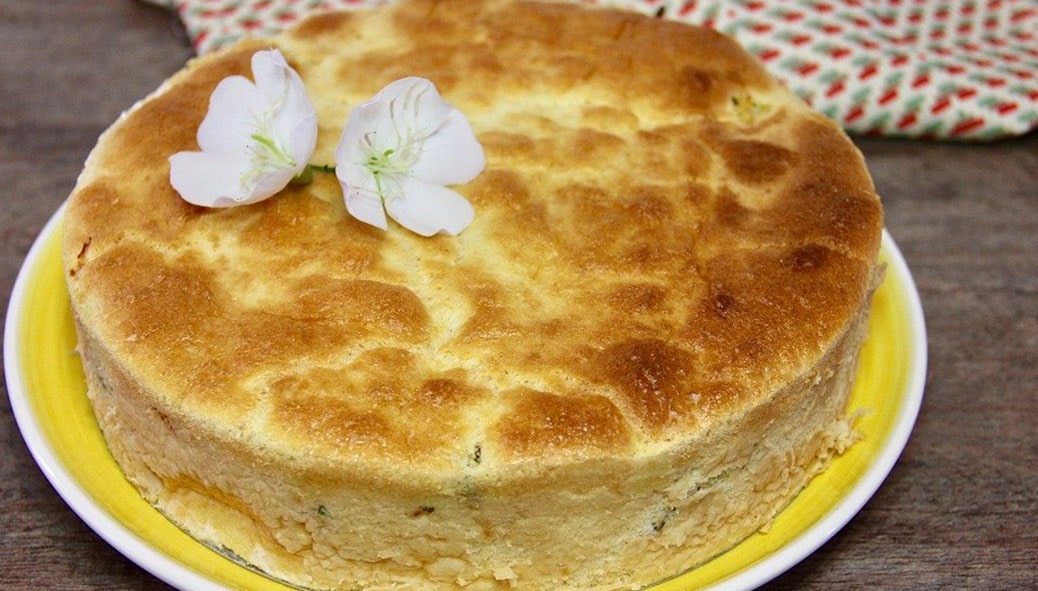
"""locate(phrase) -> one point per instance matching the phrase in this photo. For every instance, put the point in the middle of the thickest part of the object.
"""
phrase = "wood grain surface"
(960, 509)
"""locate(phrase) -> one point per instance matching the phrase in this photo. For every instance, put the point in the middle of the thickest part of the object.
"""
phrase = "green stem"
(307, 175)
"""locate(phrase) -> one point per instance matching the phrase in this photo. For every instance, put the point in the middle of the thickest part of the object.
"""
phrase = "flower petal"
(351, 147)
(405, 110)
(302, 141)
(412, 104)
(294, 116)
(268, 185)
(206, 179)
(272, 75)
(365, 206)
(427, 208)
(215, 180)
(231, 119)
(452, 155)
(360, 191)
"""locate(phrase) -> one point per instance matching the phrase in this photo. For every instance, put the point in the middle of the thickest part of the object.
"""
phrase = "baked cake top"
(663, 235)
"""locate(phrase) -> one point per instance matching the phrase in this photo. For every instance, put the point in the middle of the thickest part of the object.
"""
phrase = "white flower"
(397, 152)
(255, 137)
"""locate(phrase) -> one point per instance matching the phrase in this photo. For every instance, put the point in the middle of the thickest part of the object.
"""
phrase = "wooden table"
(960, 509)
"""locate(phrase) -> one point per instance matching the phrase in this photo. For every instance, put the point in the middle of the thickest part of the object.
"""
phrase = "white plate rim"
(181, 576)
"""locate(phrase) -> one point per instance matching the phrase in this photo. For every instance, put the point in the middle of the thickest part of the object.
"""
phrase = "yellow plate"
(48, 395)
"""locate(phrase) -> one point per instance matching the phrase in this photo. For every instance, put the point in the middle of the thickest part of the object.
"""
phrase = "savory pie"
(636, 355)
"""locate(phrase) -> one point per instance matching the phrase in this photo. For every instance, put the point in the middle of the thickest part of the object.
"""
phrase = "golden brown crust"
(664, 239)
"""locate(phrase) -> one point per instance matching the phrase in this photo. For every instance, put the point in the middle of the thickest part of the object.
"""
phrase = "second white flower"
(397, 153)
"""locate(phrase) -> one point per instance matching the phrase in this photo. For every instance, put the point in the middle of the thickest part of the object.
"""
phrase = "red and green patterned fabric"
(947, 69)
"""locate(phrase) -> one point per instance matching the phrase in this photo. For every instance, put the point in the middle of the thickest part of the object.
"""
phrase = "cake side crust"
(607, 525)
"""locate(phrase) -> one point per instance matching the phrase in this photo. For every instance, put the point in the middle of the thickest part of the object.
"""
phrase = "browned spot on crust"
(490, 319)
(806, 258)
(697, 85)
(831, 199)
(723, 303)
(507, 146)
(384, 402)
(729, 212)
(330, 24)
(363, 305)
(542, 423)
(771, 306)
(333, 423)
(83, 250)
(756, 162)
(591, 146)
(696, 158)
(501, 188)
(648, 206)
(442, 391)
(638, 297)
(651, 375)
(169, 300)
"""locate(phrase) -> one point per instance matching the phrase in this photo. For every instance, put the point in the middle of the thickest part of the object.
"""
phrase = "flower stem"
(307, 175)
